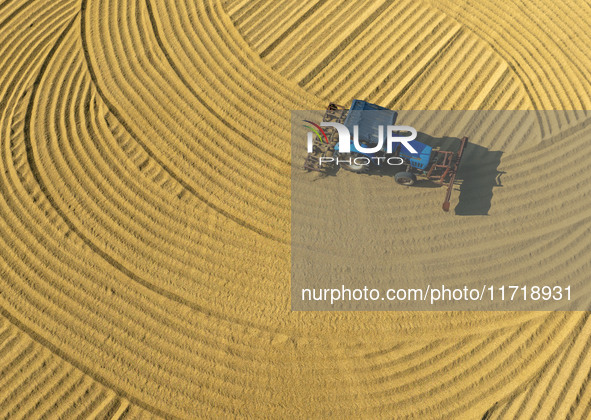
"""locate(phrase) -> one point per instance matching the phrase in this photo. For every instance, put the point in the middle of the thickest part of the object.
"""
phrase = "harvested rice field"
(145, 209)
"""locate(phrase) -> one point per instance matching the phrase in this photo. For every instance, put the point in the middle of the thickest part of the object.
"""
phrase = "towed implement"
(367, 149)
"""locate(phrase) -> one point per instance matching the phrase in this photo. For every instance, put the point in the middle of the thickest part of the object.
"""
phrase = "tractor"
(421, 162)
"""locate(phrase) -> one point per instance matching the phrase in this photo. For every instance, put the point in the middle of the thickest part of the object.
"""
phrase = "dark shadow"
(477, 176)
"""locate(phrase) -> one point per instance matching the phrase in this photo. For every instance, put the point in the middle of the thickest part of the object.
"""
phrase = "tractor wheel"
(353, 167)
(405, 178)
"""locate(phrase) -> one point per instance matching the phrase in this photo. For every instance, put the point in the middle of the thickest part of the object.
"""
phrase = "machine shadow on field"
(477, 176)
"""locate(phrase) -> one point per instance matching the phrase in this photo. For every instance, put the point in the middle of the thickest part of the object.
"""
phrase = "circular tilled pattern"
(144, 220)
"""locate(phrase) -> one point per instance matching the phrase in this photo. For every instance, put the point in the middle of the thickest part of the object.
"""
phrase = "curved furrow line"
(71, 159)
(502, 375)
(128, 375)
(561, 26)
(156, 157)
(123, 239)
(530, 401)
(347, 72)
(399, 369)
(234, 164)
(193, 249)
(221, 36)
(259, 107)
(255, 105)
(18, 384)
(266, 41)
(41, 390)
(49, 402)
(247, 106)
(19, 52)
(510, 376)
(406, 405)
(471, 363)
(239, 161)
(529, 81)
(92, 246)
(59, 12)
(557, 34)
(285, 59)
(114, 164)
(340, 80)
(214, 103)
(522, 54)
(207, 44)
(571, 377)
(99, 264)
(403, 353)
(139, 320)
(415, 378)
(250, 97)
(207, 240)
(397, 407)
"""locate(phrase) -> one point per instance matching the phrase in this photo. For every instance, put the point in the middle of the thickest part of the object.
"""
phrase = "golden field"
(145, 210)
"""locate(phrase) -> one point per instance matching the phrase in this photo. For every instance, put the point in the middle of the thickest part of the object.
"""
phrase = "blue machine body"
(418, 160)
(368, 123)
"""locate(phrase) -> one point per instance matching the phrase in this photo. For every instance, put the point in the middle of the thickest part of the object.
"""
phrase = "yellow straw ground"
(145, 210)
